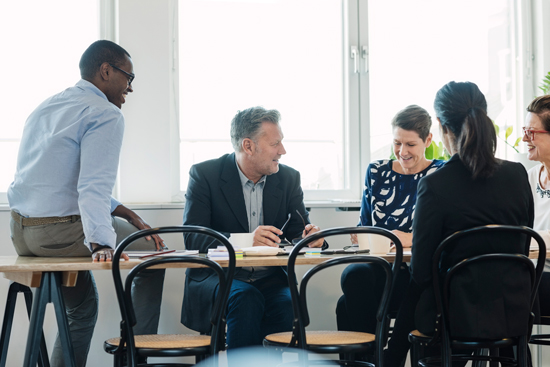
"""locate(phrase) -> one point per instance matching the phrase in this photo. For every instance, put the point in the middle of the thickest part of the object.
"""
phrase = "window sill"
(339, 204)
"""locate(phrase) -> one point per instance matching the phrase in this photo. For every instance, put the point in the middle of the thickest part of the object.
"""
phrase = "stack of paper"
(316, 251)
(262, 251)
(220, 253)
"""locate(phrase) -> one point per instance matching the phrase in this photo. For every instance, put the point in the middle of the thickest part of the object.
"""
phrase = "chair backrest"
(489, 295)
(299, 299)
(123, 292)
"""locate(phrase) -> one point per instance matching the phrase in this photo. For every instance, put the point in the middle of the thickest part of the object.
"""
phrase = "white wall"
(146, 31)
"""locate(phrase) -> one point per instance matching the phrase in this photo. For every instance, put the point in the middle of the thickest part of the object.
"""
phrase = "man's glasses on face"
(130, 76)
(530, 134)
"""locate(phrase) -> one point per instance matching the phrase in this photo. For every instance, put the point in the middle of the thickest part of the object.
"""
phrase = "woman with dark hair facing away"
(472, 189)
(388, 202)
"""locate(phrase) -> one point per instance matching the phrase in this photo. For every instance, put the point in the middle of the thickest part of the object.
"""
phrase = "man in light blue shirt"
(60, 199)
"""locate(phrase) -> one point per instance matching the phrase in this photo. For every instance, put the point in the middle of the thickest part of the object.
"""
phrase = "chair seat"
(325, 338)
(165, 341)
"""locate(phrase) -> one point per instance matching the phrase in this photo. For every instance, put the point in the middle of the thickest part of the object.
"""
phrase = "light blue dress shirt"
(68, 161)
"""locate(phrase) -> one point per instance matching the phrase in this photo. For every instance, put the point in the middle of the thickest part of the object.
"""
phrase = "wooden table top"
(43, 264)
(28, 269)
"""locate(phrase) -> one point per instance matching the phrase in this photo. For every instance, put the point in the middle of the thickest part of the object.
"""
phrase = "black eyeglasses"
(130, 76)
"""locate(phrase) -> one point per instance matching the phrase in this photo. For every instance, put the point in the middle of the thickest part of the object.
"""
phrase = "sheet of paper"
(138, 254)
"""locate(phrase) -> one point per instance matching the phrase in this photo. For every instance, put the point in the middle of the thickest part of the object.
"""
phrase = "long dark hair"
(462, 109)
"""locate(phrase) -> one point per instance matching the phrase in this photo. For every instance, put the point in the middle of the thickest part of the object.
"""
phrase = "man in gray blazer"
(245, 192)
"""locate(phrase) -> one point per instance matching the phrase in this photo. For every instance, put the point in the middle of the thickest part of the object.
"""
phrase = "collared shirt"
(68, 161)
(253, 201)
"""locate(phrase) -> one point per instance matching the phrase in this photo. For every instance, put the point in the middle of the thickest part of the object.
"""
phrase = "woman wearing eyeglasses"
(536, 134)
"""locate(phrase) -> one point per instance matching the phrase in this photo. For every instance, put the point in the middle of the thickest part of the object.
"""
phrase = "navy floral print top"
(389, 198)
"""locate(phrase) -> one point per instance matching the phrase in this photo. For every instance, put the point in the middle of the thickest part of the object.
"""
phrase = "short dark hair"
(540, 106)
(413, 118)
(246, 124)
(98, 53)
(462, 109)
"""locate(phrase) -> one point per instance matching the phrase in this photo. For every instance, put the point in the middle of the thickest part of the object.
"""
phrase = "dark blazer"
(215, 199)
(449, 200)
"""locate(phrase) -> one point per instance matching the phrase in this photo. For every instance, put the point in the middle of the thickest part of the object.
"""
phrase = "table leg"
(49, 291)
(43, 356)
(14, 290)
(7, 323)
(62, 323)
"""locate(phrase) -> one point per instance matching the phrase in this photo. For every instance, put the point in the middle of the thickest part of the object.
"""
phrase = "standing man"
(245, 192)
(60, 200)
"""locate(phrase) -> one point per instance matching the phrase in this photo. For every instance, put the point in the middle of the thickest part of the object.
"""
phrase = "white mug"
(241, 240)
(377, 244)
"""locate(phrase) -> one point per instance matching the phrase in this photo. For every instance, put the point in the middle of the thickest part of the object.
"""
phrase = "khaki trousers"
(81, 301)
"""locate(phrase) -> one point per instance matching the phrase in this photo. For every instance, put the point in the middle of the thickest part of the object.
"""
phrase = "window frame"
(149, 164)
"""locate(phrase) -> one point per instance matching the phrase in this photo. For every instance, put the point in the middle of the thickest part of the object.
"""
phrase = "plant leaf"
(517, 142)
(508, 132)
(429, 153)
(497, 129)
(392, 155)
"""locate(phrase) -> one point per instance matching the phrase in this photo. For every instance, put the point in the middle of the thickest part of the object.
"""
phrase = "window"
(215, 57)
(338, 71)
(40, 58)
(285, 54)
(426, 44)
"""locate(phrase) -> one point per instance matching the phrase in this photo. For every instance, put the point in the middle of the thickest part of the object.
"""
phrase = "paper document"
(139, 254)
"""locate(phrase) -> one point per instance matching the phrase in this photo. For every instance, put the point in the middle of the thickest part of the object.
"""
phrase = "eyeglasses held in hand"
(130, 76)
(530, 134)
(302, 218)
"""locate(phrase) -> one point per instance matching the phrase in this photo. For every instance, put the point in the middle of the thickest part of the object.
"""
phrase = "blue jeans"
(257, 309)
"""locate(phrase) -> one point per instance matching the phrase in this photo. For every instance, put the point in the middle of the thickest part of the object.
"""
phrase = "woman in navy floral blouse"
(388, 202)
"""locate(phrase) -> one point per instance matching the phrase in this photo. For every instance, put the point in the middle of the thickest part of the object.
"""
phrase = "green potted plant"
(545, 86)
(434, 151)
(507, 133)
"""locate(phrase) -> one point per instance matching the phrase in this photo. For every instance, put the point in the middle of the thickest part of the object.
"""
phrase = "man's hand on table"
(267, 236)
(139, 223)
(104, 254)
(308, 231)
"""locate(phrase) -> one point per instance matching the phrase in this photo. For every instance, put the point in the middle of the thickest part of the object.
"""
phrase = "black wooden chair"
(347, 344)
(453, 292)
(129, 348)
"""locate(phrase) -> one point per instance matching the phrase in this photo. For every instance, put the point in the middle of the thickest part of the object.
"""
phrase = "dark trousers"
(362, 285)
(257, 309)
(544, 294)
